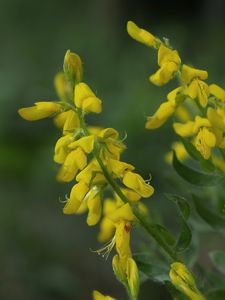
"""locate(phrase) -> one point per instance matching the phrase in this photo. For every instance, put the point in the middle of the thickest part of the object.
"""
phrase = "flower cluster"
(206, 126)
(90, 158)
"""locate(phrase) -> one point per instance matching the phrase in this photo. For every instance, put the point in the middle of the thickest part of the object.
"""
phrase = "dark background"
(44, 254)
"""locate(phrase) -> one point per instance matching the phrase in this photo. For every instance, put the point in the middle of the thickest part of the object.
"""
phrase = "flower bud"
(73, 67)
(133, 277)
(183, 280)
(119, 270)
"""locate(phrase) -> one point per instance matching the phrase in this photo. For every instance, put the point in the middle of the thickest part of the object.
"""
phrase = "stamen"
(106, 250)
(148, 181)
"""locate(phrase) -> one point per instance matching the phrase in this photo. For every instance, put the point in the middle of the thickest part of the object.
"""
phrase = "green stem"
(144, 222)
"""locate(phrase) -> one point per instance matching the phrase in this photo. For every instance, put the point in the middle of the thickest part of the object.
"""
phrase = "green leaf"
(195, 177)
(185, 235)
(182, 204)
(155, 271)
(218, 259)
(216, 221)
(184, 239)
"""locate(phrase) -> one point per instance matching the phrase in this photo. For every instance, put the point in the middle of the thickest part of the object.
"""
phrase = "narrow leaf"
(182, 204)
(185, 235)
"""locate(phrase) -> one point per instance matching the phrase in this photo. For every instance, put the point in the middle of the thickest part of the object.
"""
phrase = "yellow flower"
(169, 62)
(135, 182)
(61, 148)
(99, 296)
(60, 119)
(164, 111)
(73, 67)
(72, 122)
(204, 142)
(197, 88)
(75, 160)
(189, 73)
(86, 143)
(142, 35)
(183, 280)
(92, 173)
(216, 118)
(41, 110)
(107, 226)
(94, 206)
(77, 195)
(111, 145)
(122, 213)
(85, 99)
(191, 127)
(217, 91)
(200, 90)
(122, 237)
(118, 167)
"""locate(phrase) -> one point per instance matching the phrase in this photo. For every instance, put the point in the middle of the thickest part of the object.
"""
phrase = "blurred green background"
(44, 254)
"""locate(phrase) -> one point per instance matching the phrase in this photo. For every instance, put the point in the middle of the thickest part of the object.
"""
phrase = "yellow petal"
(86, 143)
(135, 182)
(60, 119)
(166, 55)
(122, 213)
(171, 96)
(200, 122)
(165, 110)
(141, 35)
(77, 195)
(131, 195)
(91, 172)
(164, 74)
(106, 231)
(216, 119)
(108, 133)
(40, 111)
(217, 91)
(61, 148)
(189, 73)
(119, 167)
(72, 122)
(199, 89)
(85, 99)
(74, 161)
(99, 296)
(184, 130)
(95, 208)
(123, 239)
(204, 142)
